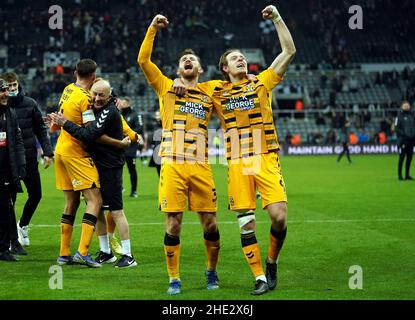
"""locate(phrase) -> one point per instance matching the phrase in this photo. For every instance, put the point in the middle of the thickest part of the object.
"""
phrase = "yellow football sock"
(172, 253)
(88, 226)
(66, 234)
(172, 261)
(276, 241)
(252, 254)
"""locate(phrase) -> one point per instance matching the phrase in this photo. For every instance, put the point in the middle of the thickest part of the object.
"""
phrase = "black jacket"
(344, 134)
(16, 150)
(107, 121)
(405, 127)
(32, 125)
(135, 122)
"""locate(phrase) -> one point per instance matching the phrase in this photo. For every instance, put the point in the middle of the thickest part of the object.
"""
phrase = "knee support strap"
(244, 219)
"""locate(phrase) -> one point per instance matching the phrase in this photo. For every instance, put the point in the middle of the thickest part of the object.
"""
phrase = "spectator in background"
(344, 139)
(338, 120)
(253, 68)
(135, 122)
(380, 79)
(353, 83)
(299, 105)
(288, 138)
(59, 69)
(386, 126)
(323, 81)
(296, 140)
(330, 137)
(362, 136)
(315, 138)
(344, 84)
(332, 97)
(33, 129)
(382, 138)
(366, 117)
(12, 168)
(320, 120)
(405, 131)
(353, 138)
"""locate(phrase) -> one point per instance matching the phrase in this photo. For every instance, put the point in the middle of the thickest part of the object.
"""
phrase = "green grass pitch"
(338, 216)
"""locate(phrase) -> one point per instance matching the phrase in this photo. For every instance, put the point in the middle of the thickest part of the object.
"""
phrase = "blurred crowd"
(110, 34)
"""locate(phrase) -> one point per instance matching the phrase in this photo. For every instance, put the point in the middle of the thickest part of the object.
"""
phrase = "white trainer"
(23, 233)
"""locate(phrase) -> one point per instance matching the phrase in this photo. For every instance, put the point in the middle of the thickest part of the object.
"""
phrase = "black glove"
(22, 172)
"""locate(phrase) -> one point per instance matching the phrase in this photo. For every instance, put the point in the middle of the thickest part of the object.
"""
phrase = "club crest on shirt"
(76, 183)
(205, 99)
(249, 87)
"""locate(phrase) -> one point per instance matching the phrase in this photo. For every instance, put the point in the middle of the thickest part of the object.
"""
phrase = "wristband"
(276, 17)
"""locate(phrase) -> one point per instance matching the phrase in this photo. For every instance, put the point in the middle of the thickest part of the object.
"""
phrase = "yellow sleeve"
(155, 78)
(127, 131)
(209, 86)
(270, 78)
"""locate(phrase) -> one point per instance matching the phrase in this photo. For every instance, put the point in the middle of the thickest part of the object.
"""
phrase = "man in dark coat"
(33, 128)
(12, 168)
(405, 132)
(344, 139)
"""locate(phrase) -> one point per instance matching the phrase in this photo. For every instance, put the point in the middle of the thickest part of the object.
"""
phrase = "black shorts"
(111, 188)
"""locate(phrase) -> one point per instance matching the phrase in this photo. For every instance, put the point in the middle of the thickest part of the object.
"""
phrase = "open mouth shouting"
(241, 65)
(188, 66)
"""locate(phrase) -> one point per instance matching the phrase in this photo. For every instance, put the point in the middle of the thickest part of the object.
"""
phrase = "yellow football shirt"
(75, 104)
(184, 118)
(245, 111)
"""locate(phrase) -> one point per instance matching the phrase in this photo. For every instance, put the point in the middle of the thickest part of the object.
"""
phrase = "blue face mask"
(13, 94)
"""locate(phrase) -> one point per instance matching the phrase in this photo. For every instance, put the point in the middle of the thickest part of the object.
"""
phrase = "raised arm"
(281, 62)
(151, 71)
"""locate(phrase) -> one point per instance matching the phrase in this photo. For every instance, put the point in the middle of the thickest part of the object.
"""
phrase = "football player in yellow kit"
(74, 169)
(244, 108)
(185, 172)
(243, 105)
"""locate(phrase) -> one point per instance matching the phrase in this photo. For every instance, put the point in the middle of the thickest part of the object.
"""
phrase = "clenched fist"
(160, 22)
(271, 12)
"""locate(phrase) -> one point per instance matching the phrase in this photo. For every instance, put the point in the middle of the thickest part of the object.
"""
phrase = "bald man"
(75, 171)
(109, 160)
